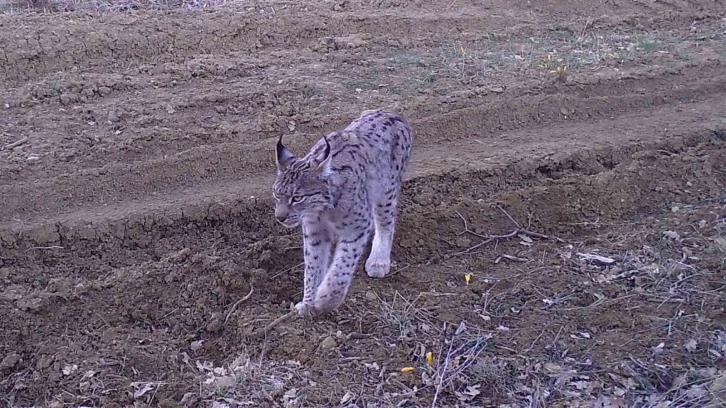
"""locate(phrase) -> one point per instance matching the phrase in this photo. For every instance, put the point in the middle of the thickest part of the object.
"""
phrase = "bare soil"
(562, 237)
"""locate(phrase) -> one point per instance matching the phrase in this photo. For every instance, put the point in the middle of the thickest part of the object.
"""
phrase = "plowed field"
(562, 232)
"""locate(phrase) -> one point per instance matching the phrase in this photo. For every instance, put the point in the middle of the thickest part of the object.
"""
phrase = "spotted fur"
(342, 191)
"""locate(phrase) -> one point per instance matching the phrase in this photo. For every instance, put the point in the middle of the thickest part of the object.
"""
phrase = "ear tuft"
(284, 155)
(323, 159)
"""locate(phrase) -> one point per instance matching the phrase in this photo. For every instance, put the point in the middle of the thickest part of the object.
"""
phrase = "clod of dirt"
(35, 302)
(328, 343)
(215, 325)
(9, 361)
(180, 256)
(59, 287)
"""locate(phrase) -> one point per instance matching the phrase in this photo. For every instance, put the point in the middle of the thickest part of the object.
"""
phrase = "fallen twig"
(274, 323)
(16, 143)
(237, 303)
(489, 238)
(45, 247)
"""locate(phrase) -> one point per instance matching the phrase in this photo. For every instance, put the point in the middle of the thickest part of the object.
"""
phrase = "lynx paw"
(378, 268)
(306, 309)
(327, 304)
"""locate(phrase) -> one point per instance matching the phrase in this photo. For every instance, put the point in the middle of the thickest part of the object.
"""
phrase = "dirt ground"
(562, 234)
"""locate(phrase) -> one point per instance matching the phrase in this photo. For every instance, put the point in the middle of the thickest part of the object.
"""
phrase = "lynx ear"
(323, 159)
(283, 156)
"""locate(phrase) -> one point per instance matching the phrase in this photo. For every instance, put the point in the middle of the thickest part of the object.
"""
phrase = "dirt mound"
(562, 233)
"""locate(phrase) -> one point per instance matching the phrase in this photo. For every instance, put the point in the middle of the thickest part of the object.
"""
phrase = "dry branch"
(489, 238)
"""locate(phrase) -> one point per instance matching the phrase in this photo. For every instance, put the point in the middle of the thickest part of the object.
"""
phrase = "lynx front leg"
(336, 282)
(378, 263)
(316, 242)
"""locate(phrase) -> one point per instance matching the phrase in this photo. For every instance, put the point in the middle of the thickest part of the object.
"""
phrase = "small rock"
(9, 361)
(171, 277)
(370, 295)
(328, 343)
(180, 256)
(112, 116)
(79, 289)
(671, 235)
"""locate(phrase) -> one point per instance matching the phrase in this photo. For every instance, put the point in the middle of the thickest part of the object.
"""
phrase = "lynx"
(345, 188)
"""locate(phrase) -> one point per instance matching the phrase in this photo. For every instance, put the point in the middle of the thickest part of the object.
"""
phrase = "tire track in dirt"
(43, 44)
(226, 163)
(435, 172)
(143, 128)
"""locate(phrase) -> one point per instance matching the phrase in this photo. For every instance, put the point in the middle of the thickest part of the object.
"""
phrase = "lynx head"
(301, 187)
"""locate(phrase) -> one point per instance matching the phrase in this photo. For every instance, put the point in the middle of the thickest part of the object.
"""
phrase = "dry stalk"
(471, 349)
(237, 303)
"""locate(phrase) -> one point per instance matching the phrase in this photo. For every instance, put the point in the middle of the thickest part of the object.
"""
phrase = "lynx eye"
(296, 199)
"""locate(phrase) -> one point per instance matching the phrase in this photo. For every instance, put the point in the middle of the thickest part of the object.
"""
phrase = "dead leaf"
(671, 235)
(141, 388)
(596, 258)
(70, 369)
(196, 345)
(718, 386)
(347, 397)
(553, 368)
(469, 393)
(289, 396)
(691, 345)
(206, 366)
(581, 385)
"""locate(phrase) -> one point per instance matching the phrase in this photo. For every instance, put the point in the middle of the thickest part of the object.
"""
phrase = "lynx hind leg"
(378, 263)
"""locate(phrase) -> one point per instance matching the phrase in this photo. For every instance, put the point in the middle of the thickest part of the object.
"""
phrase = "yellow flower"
(549, 57)
(429, 358)
(467, 278)
(406, 369)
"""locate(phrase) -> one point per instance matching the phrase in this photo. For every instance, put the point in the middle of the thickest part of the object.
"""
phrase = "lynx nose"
(281, 214)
